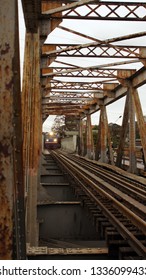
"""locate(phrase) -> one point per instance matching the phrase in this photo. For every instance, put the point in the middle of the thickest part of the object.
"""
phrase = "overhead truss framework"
(113, 10)
(87, 60)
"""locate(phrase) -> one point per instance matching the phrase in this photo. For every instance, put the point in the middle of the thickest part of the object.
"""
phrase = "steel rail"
(76, 172)
(87, 176)
(137, 207)
(127, 187)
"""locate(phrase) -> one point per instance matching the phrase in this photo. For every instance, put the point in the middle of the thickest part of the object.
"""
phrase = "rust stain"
(2, 177)
(9, 85)
(6, 50)
(5, 149)
(5, 224)
(7, 70)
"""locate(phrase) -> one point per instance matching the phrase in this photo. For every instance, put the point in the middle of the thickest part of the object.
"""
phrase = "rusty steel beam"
(109, 143)
(73, 84)
(61, 105)
(62, 99)
(139, 78)
(119, 49)
(109, 45)
(89, 138)
(123, 133)
(103, 50)
(87, 73)
(132, 147)
(12, 219)
(73, 94)
(52, 23)
(103, 135)
(34, 251)
(68, 109)
(59, 113)
(114, 11)
(140, 121)
(91, 87)
(95, 44)
(58, 108)
(80, 139)
(67, 7)
(96, 67)
(98, 143)
(31, 10)
(78, 33)
(32, 129)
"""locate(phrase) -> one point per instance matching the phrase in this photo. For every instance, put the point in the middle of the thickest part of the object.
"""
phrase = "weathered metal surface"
(66, 7)
(90, 183)
(103, 50)
(55, 11)
(113, 11)
(140, 121)
(32, 131)
(11, 178)
(65, 222)
(31, 9)
(89, 137)
(123, 133)
(48, 5)
(106, 42)
(109, 144)
(103, 135)
(98, 144)
(132, 136)
(80, 139)
(19, 207)
(12, 233)
(65, 251)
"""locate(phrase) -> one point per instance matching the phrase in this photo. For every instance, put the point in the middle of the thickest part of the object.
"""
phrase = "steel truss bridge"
(87, 67)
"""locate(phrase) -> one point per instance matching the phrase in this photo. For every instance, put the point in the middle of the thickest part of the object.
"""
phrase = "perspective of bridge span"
(80, 58)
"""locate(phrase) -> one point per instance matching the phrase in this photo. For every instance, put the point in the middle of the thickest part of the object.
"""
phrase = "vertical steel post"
(98, 144)
(81, 142)
(32, 131)
(110, 149)
(89, 138)
(140, 121)
(12, 227)
(132, 157)
(103, 135)
(123, 133)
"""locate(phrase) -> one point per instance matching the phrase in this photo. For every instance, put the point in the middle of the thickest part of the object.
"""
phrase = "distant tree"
(95, 127)
(115, 130)
(137, 132)
(58, 125)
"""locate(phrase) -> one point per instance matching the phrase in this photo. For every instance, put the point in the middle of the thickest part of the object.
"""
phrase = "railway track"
(116, 203)
(66, 229)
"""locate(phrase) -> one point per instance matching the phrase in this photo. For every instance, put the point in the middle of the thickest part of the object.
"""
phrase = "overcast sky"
(100, 30)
